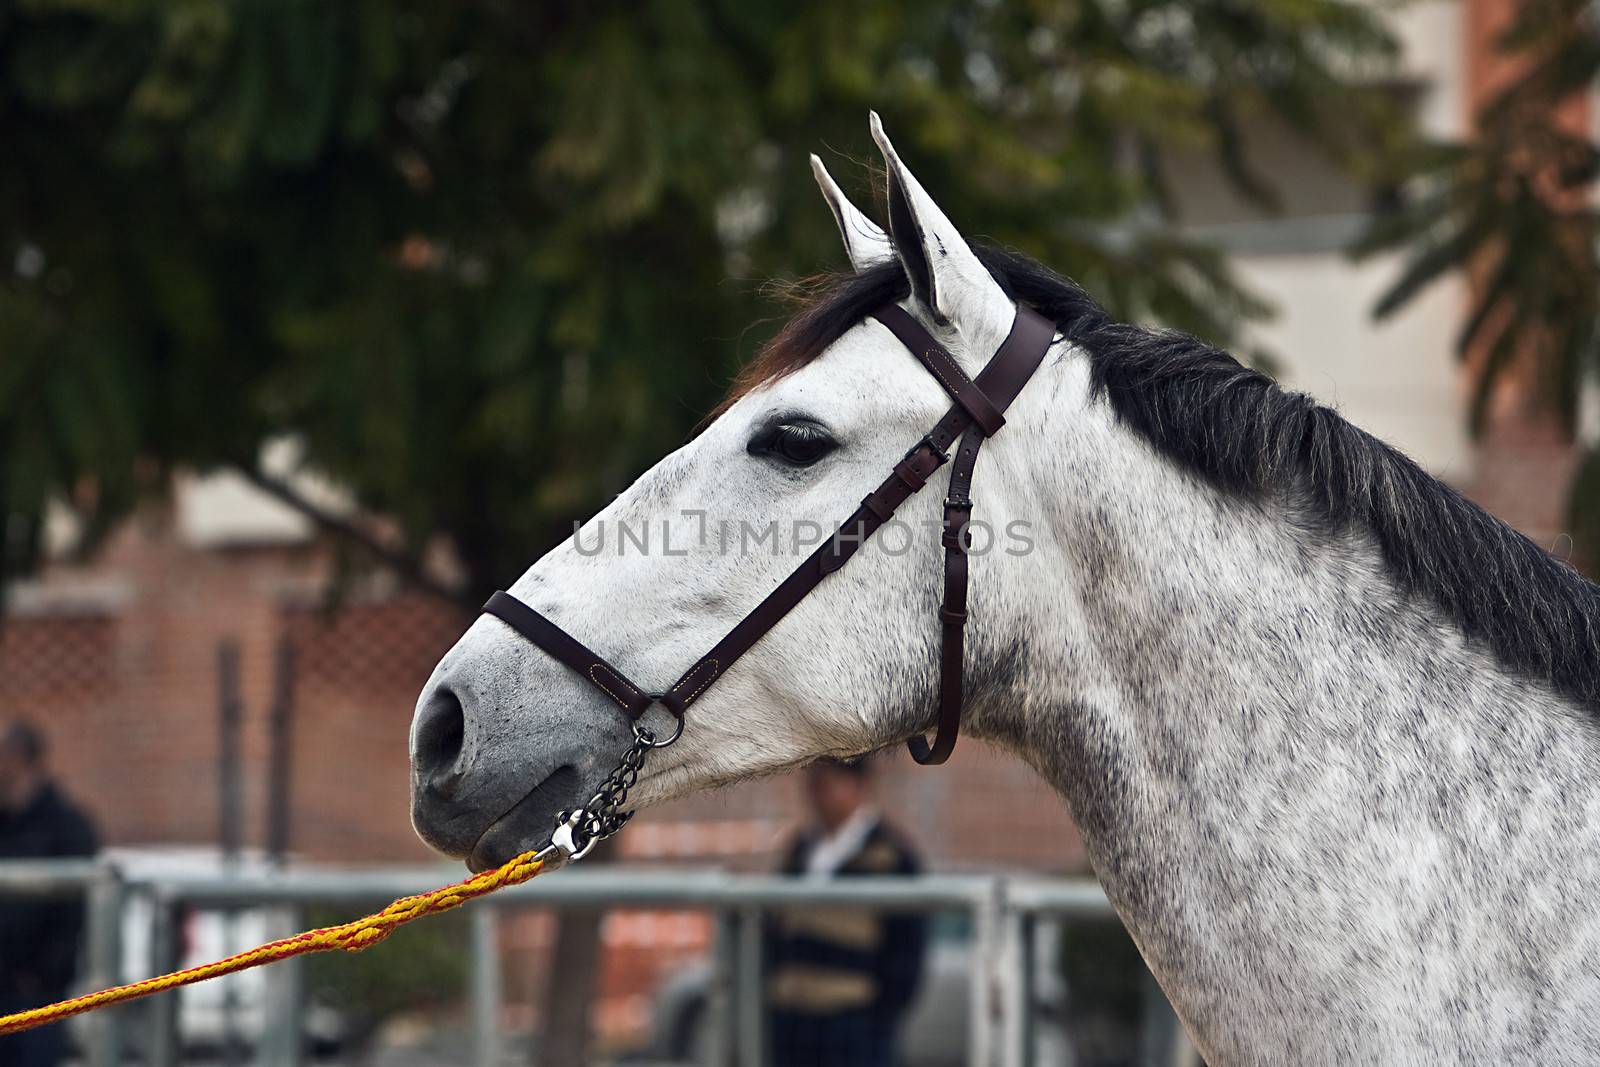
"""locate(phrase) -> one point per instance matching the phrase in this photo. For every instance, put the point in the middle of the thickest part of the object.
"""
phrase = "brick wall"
(125, 685)
(358, 674)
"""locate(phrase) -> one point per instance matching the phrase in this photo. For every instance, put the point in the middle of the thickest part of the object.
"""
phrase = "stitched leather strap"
(570, 651)
(943, 366)
(956, 536)
(978, 413)
(1006, 373)
(1000, 381)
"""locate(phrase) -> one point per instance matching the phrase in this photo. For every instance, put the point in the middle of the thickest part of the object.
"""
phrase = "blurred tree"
(1514, 208)
(474, 256)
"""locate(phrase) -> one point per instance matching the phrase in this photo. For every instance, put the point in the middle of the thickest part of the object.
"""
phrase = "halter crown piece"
(978, 413)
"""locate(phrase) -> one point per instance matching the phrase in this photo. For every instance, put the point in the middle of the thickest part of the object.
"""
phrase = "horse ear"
(946, 275)
(864, 240)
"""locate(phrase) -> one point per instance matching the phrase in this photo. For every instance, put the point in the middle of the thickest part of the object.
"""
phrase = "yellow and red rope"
(351, 937)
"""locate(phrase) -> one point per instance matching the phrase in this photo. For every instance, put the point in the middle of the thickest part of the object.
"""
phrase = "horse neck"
(1241, 710)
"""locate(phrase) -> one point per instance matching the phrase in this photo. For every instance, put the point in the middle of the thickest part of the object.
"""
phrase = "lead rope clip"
(565, 838)
(579, 830)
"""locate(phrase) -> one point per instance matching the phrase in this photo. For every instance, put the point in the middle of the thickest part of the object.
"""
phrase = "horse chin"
(529, 823)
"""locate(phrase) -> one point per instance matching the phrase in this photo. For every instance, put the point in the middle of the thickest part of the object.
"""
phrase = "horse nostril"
(441, 729)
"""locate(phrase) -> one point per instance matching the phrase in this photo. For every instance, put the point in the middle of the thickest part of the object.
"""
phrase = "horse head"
(505, 737)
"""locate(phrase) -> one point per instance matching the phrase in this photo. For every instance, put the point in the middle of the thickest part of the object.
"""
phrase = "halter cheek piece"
(976, 415)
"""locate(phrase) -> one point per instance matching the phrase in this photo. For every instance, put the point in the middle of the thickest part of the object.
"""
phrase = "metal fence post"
(1017, 975)
(719, 1000)
(485, 986)
(751, 989)
(986, 948)
(164, 1040)
(104, 1043)
(284, 1038)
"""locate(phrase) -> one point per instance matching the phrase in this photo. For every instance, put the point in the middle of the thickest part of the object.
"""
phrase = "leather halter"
(977, 415)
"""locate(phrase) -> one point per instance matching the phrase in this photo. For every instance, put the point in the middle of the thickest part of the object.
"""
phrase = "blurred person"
(39, 937)
(839, 981)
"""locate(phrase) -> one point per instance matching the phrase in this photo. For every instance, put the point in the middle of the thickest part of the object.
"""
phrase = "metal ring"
(647, 738)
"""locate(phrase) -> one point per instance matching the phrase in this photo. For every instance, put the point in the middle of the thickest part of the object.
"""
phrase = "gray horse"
(1332, 734)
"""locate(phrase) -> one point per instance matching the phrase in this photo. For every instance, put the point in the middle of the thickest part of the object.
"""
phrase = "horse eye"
(797, 443)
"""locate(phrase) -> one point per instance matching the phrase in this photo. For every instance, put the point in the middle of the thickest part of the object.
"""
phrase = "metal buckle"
(912, 478)
(927, 442)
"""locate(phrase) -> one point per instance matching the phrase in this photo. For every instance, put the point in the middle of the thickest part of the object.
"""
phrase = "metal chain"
(581, 829)
(605, 814)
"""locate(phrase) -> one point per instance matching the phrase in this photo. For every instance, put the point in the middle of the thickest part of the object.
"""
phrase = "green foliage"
(1514, 206)
(475, 254)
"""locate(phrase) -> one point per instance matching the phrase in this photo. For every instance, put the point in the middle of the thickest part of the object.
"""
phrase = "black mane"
(1242, 432)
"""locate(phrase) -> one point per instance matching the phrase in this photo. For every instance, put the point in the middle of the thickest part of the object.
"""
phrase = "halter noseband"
(978, 414)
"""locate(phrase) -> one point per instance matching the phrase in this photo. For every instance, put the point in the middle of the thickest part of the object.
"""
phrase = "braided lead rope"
(351, 937)
(576, 832)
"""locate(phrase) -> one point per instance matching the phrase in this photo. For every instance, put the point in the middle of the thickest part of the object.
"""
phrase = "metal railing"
(1006, 914)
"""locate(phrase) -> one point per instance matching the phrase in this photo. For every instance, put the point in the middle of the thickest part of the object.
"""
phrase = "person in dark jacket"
(839, 981)
(39, 937)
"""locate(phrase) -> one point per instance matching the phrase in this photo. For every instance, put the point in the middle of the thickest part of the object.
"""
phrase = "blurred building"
(1399, 378)
(117, 657)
